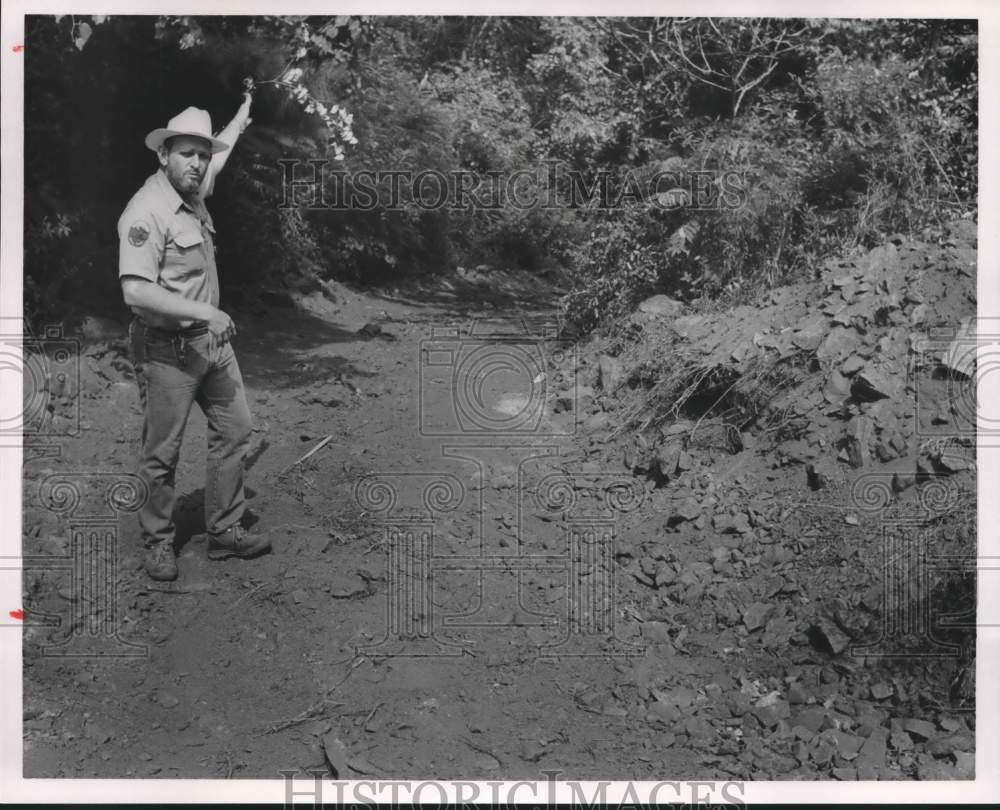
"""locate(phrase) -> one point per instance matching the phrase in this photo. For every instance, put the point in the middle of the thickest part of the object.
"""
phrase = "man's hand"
(221, 328)
(147, 295)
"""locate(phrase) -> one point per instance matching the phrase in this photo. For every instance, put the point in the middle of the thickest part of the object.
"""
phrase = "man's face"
(185, 160)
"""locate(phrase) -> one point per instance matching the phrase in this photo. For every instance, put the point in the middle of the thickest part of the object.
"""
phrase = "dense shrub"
(858, 143)
(841, 132)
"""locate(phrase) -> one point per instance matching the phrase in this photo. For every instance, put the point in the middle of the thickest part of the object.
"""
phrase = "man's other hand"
(221, 327)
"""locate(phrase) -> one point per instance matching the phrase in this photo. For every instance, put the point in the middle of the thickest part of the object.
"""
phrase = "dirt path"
(466, 581)
(251, 666)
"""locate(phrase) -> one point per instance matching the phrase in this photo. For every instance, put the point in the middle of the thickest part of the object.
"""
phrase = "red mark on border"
(17, 48)
(17, 614)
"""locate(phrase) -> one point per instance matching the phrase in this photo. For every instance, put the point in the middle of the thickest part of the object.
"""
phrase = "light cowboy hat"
(194, 122)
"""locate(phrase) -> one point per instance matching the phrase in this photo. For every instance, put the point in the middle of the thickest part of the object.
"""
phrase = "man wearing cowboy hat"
(180, 338)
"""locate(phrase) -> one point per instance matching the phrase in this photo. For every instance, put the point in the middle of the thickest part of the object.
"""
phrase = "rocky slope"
(792, 452)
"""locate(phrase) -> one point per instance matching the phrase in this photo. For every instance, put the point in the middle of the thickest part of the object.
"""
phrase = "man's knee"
(238, 429)
(243, 420)
(160, 456)
(245, 430)
(156, 468)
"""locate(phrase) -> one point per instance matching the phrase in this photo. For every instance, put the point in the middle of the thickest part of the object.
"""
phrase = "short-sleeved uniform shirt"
(171, 242)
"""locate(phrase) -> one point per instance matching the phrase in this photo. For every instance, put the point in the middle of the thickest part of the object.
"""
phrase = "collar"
(174, 199)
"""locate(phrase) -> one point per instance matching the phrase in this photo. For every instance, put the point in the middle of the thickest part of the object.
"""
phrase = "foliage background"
(847, 131)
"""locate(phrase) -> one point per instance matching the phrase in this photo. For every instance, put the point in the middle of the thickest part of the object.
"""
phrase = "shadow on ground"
(294, 348)
(464, 297)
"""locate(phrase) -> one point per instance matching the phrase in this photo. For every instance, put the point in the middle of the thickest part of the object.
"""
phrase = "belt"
(169, 334)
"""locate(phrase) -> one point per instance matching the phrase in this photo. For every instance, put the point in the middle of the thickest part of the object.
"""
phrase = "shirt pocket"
(184, 256)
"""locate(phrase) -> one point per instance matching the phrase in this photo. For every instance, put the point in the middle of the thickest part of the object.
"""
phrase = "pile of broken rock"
(871, 365)
(866, 371)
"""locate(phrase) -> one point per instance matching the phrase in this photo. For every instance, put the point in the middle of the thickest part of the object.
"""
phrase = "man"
(180, 338)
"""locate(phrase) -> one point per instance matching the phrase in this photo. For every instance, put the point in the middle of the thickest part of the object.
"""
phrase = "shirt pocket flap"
(187, 238)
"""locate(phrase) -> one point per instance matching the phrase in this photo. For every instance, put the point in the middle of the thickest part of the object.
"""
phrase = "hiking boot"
(160, 562)
(235, 542)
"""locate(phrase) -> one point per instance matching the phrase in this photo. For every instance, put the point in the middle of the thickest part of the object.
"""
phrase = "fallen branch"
(251, 592)
(371, 714)
(317, 711)
(314, 712)
(480, 749)
(319, 446)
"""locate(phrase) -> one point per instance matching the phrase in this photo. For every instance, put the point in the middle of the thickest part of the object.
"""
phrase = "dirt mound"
(860, 367)
(782, 446)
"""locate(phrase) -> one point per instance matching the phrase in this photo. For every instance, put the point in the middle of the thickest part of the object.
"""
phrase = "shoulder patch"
(138, 233)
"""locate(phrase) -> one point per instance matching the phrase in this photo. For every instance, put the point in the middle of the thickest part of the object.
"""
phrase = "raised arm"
(229, 134)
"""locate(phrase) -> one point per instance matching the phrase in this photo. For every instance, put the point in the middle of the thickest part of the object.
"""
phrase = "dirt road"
(249, 666)
(460, 585)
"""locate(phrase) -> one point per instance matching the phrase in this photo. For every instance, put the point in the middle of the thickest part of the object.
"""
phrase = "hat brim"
(155, 139)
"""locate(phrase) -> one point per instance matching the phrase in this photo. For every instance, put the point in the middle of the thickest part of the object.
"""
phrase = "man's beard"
(187, 182)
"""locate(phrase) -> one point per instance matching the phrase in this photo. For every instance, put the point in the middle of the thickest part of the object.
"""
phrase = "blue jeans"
(174, 371)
